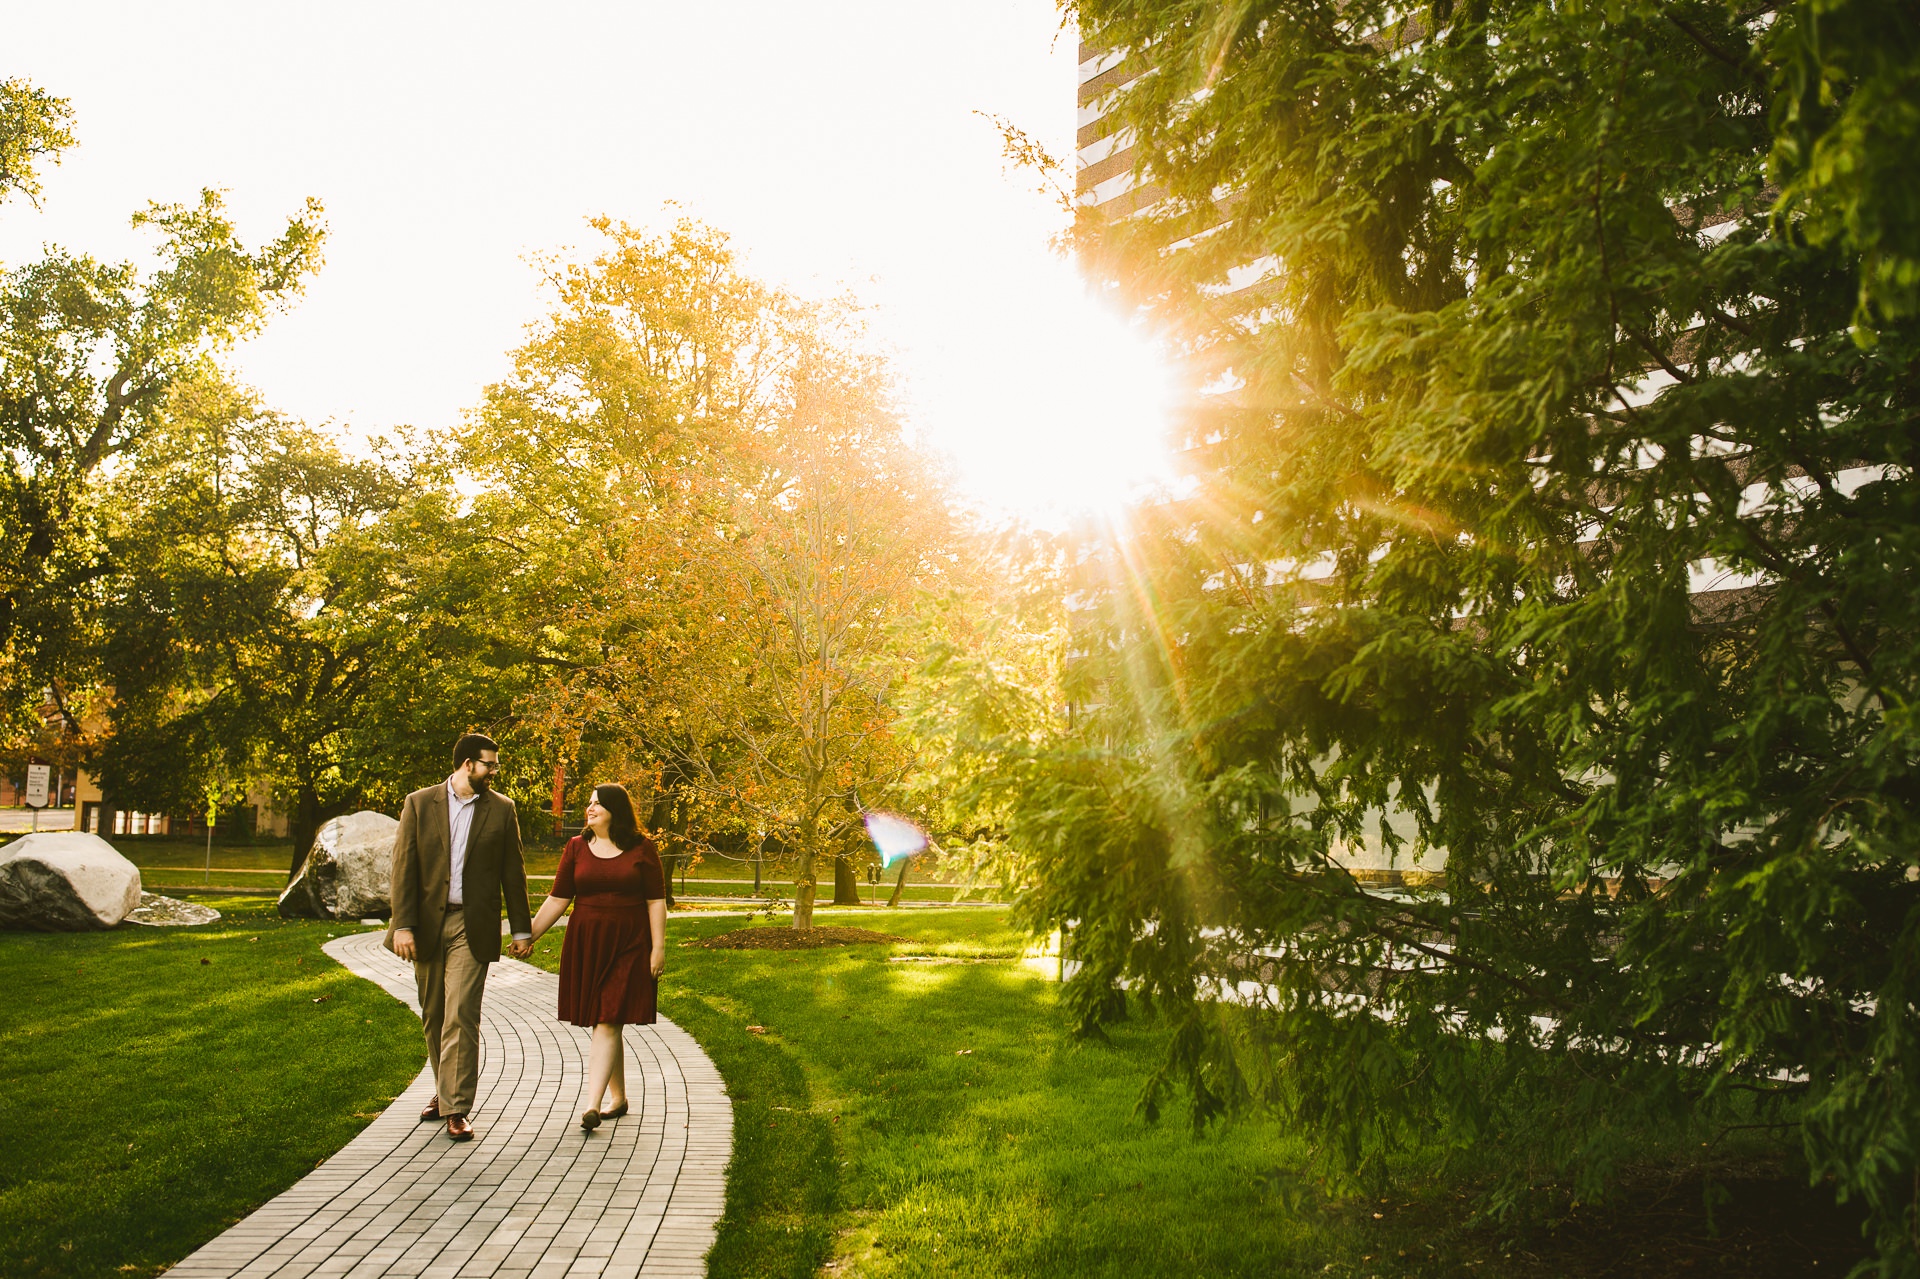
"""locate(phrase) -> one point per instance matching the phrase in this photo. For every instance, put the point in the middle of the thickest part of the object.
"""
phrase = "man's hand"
(659, 964)
(403, 943)
(519, 949)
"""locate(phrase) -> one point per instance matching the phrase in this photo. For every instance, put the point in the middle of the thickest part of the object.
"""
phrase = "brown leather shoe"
(458, 1128)
(590, 1120)
(618, 1112)
(432, 1113)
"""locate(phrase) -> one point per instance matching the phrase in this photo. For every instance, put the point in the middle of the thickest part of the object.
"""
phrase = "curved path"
(529, 1196)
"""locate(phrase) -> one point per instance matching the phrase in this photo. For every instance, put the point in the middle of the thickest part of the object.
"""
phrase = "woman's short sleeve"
(653, 879)
(563, 874)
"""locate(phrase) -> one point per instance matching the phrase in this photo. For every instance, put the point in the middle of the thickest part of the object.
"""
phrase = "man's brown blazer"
(423, 866)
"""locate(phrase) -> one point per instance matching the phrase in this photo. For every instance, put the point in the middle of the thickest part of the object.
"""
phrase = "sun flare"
(1073, 419)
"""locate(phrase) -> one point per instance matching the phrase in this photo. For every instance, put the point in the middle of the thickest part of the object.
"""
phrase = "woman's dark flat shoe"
(618, 1112)
(590, 1120)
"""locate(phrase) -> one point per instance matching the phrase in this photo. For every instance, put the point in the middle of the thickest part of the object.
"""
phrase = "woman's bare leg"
(604, 1064)
(617, 1077)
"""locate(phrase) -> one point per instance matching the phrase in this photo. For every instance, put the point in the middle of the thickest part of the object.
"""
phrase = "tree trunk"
(309, 815)
(846, 885)
(306, 824)
(677, 823)
(899, 883)
(803, 885)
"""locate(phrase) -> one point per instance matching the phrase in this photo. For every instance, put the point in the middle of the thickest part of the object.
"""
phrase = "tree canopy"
(89, 354)
(1552, 532)
(286, 615)
(715, 472)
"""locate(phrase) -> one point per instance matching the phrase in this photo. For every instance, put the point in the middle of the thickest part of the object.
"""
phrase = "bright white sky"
(835, 141)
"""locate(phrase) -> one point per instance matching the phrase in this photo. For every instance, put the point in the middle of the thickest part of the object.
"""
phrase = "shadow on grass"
(921, 1110)
(909, 1118)
(783, 1188)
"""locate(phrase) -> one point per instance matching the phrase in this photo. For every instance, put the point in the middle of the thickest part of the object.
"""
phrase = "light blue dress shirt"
(460, 819)
(460, 825)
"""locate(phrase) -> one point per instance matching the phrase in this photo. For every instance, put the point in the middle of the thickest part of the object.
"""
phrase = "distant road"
(21, 819)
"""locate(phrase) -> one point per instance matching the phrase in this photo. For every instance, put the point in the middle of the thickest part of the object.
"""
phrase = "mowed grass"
(152, 1099)
(176, 866)
(906, 1110)
(170, 864)
(901, 1117)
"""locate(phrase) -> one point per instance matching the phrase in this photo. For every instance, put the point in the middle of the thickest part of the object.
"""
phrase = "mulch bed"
(798, 938)
(1771, 1225)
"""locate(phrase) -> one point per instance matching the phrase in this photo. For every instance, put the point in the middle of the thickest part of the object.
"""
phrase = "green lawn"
(920, 1118)
(163, 1082)
(909, 1110)
(905, 1118)
(169, 865)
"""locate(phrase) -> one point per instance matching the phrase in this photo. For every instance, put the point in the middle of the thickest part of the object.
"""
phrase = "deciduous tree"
(649, 365)
(779, 654)
(717, 488)
(324, 624)
(89, 352)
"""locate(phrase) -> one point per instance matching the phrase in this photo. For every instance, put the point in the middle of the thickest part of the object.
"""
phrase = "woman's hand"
(659, 960)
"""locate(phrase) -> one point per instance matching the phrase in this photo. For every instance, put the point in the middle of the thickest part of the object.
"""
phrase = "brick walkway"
(529, 1196)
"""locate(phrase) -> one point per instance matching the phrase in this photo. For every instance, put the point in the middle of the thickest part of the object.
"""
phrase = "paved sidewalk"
(20, 820)
(530, 1196)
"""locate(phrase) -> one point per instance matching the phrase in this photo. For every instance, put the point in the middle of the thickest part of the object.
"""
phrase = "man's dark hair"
(470, 746)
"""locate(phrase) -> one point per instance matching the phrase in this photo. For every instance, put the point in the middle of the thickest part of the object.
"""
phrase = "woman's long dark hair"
(624, 828)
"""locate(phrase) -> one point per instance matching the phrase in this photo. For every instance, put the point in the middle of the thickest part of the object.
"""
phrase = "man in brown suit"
(457, 854)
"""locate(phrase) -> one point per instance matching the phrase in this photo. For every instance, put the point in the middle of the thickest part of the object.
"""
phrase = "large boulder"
(348, 871)
(65, 881)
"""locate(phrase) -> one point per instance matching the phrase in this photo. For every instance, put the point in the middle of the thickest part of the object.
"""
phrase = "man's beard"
(480, 782)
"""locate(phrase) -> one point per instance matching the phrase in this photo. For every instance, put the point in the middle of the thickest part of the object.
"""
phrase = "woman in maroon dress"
(616, 944)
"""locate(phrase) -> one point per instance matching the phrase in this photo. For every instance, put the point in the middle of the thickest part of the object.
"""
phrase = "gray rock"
(65, 881)
(156, 911)
(347, 872)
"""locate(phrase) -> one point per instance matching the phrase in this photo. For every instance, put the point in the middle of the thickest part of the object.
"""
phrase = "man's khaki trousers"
(451, 984)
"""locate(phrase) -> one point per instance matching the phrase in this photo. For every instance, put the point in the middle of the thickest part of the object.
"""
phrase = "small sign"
(38, 775)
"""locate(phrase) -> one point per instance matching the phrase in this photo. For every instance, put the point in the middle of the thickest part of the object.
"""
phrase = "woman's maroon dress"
(606, 972)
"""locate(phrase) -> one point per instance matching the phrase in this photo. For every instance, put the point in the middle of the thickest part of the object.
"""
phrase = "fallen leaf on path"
(756, 1030)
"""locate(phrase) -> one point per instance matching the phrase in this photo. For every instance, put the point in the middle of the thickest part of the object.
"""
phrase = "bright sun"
(1072, 418)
